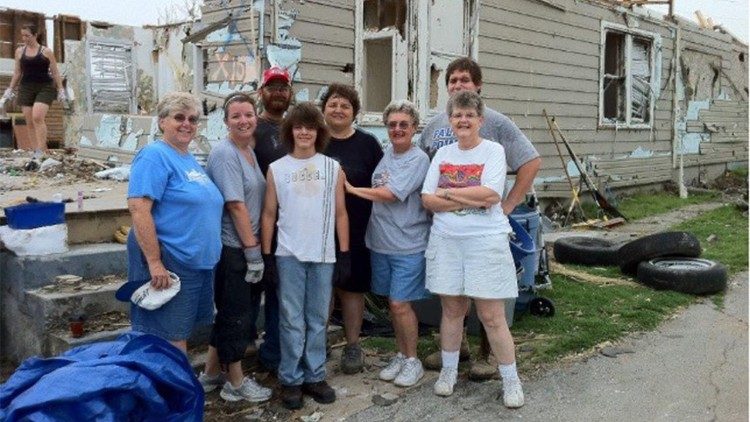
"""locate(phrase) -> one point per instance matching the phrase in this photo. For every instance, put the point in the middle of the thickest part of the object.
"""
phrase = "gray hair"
(402, 106)
(465, 99)
(176, 101)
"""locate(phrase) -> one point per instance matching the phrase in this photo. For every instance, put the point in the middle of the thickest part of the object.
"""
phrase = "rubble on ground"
(60, 167)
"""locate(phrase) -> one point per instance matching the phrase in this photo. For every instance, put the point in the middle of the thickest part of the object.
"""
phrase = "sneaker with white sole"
(410, 374)
(446, 381)
(211, 383)
(249, 390)
(390, 372)
(512, 395)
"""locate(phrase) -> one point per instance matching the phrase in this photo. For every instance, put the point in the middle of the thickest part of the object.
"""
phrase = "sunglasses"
(180, 118)
(401, 125)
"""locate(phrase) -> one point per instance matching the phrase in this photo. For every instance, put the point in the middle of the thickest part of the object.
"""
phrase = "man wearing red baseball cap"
(275, 95)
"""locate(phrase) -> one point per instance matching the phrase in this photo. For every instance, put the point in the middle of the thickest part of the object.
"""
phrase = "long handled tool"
(599, 198)
(575, 200)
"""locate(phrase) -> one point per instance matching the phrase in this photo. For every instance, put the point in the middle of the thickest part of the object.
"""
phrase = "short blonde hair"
(402, 106)
(177, 101)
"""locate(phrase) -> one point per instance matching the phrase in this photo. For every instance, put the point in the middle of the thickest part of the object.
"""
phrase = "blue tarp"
(137, 377)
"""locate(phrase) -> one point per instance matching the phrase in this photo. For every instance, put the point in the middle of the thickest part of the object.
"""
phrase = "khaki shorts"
(476, 266)
(36, 92)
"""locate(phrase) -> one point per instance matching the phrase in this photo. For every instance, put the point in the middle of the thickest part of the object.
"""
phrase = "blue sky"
(732, 14)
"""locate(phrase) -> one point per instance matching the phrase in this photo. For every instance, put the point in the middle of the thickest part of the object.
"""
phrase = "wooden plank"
(582, 16)
(521, 63)
(494, 45)
(582, 44)
(559, 25)
(521, 79)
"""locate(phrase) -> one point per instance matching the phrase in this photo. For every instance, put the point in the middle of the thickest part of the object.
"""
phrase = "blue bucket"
(529, 219)
(521, 243)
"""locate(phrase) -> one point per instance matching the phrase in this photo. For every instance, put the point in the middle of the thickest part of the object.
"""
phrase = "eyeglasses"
(180, 118)
(403, 125)
(459, 116)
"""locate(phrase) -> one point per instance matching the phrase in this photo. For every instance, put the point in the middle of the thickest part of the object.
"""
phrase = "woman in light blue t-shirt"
(176, 212)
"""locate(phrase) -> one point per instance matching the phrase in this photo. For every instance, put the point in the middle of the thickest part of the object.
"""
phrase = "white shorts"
(478, 266)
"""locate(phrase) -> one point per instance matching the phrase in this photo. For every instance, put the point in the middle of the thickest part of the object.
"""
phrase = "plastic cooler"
(34, 215)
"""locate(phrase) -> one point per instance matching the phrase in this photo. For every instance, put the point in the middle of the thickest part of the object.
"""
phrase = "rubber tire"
(655, 246)
(586, 251)
(687, 275)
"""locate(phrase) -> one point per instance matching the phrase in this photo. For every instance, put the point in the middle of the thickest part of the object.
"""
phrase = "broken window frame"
(400, 70)
(133, 103)
(412, 76)
(629, 35)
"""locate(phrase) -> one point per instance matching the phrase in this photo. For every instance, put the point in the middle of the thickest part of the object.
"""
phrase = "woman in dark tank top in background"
(36, 76)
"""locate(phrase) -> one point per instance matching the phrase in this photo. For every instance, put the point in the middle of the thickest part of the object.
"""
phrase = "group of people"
(297, 207)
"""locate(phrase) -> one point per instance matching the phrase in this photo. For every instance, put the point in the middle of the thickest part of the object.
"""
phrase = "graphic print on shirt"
(305, 181)
(381, 178)
(442, 137)
(461, 176)
(196, 176)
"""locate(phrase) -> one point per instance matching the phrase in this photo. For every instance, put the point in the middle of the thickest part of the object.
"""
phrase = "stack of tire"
(663, 261)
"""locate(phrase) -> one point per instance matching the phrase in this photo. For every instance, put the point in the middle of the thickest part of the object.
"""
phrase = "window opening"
(377, 80)
(627, 78)
(381, 14)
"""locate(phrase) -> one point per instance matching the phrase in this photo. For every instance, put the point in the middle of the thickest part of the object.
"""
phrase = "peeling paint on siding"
(641, 153)
(108, 131)
(696, 106)
(215, 129)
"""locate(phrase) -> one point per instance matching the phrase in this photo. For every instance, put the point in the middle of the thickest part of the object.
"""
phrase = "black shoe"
(320, 391)
(291, 397)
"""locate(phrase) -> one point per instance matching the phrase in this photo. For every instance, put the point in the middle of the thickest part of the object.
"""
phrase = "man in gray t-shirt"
(521, 156)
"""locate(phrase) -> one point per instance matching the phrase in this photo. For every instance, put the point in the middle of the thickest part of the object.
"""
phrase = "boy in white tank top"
(306, 189)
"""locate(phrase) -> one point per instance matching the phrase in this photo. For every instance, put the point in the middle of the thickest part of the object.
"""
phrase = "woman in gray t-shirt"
(397, 235)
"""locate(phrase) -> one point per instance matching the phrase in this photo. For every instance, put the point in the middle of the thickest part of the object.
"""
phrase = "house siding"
(536, 58)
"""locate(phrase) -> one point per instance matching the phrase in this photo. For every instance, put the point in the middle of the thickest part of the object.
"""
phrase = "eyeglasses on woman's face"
(180, 118)
(403, 125)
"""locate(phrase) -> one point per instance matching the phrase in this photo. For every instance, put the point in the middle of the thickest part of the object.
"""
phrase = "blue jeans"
(305, 290)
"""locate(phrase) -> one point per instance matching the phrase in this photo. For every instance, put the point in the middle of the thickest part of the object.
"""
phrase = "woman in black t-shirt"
(358, 153)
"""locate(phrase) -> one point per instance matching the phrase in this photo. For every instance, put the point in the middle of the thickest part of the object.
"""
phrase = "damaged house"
(113, 75)
(636, 93)
(639, 95)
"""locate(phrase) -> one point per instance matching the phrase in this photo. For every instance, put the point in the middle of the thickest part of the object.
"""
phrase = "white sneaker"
(512, 395)
(446, 381)
(249, 390)
(211, 383)
(410, 374)
(390, 372)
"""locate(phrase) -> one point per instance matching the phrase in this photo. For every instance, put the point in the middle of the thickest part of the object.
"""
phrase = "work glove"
(254, 264)
(342, 272)
(270, 277)
(9, 93)
(61, 97)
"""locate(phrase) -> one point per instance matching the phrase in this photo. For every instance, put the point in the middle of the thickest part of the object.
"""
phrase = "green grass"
(647, 204)
(588, 314)
(730, 227)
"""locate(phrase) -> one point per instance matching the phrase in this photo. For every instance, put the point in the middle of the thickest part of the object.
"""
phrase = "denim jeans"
(305, 291)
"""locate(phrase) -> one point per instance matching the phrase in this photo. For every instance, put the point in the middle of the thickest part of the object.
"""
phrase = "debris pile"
(62, 166)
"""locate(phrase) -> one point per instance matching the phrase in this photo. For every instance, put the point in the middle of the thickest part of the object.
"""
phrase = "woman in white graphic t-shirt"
(468, 252)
